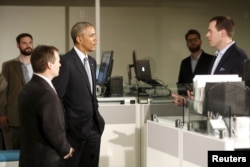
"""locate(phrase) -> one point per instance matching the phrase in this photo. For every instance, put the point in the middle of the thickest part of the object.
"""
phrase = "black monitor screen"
(133, 65)
(143, 73)
(143, 70)
(134, 62)
(105, 68)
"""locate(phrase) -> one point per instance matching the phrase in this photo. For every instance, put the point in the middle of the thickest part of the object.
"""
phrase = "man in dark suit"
(43, 131)
(17, 72)
(77, 90)
(197, 63)
(230, 58)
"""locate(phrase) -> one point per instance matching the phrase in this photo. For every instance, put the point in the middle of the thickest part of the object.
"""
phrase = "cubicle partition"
(185, 139)
(154, 109)
(121, 138)
(168, 145)
(147, 135)
(163, 145)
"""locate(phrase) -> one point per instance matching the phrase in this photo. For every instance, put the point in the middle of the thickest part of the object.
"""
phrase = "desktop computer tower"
(114, 87)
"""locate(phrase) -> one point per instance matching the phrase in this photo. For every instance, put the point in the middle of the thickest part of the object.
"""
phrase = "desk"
(130, 139)
(171, 146)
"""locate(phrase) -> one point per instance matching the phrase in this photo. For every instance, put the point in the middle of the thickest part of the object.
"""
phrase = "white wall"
(156, 33)
(46, 24)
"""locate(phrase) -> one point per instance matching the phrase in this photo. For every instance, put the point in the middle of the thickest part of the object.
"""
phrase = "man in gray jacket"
(17, 73)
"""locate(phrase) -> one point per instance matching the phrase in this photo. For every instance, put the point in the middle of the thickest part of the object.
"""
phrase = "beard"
(194, 49)
(26, 51)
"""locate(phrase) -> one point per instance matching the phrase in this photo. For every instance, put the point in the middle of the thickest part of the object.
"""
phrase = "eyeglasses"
(193, 40)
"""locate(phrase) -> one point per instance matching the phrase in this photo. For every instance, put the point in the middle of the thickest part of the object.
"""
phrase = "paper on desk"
(218, 124)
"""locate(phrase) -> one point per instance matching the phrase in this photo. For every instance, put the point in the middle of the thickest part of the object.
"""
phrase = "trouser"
(2, 146)
(87, 152)
(12, 138)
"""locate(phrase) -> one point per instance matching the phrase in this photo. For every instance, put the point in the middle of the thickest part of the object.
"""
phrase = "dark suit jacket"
(43, 134)
(231, 62)
(73, 88)
(186, 74)
(13, 74)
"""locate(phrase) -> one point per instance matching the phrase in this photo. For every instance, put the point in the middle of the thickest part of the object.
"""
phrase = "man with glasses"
(230, 58)
(198, 62)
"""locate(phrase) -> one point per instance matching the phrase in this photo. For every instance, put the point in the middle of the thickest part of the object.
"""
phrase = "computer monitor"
(105, 68)
(134, 62)
(133, 65)
(143, 73)
(143, 70)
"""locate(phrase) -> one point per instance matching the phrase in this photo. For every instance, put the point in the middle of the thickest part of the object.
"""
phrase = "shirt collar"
(197, 58)
(222, 51)
(46, 79)
(23, 62)
(80, 54)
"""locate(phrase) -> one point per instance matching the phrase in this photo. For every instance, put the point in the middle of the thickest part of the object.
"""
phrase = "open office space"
(139, 132)
(155, 29)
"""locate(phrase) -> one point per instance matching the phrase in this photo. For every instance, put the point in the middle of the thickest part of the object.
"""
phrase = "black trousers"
(87, 152)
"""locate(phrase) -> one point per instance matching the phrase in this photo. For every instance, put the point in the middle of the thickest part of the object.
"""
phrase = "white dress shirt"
(219, 54)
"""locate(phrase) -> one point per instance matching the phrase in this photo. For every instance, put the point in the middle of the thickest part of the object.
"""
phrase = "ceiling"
(135, 3)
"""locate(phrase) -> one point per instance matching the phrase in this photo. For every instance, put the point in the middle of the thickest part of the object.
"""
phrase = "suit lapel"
(189, 64)
(211, 65)
(92, 68)
(43, 83)
(18, 67)
(224, 58)
(198, 66)
(79, 65)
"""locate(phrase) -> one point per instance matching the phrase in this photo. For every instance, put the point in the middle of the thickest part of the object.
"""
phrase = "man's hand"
(70, 154)
(4, 122)
(179, 100)
(190, 95)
